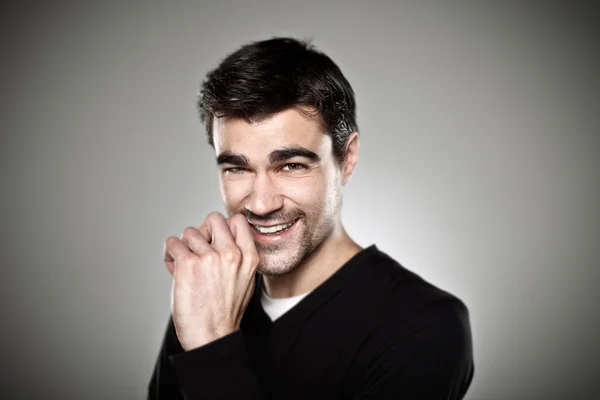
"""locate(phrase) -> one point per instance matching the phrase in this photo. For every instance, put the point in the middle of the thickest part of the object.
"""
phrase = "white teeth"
(272, 229)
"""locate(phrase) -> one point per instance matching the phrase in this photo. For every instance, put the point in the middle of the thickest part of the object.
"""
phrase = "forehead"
(290, 127)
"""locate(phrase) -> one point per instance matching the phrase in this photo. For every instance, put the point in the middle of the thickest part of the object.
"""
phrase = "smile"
(273, 230)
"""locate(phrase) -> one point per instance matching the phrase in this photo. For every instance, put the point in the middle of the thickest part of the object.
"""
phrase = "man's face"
(282, 175)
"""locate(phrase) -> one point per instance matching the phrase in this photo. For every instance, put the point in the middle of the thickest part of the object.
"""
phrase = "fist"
(213, 270)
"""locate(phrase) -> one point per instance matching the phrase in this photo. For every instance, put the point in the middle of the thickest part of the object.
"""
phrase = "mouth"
(273, 230)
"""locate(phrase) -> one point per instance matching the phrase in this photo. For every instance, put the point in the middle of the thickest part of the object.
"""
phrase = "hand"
(213, 269)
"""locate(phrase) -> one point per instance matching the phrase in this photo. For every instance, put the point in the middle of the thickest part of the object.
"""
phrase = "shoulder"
(403, 298)
(419, 342)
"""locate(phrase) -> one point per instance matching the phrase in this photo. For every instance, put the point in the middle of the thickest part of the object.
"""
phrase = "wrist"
(204, 338)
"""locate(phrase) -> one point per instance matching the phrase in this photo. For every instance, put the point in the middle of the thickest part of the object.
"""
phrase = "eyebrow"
(280, 155)
(275, 157)
(231, 158)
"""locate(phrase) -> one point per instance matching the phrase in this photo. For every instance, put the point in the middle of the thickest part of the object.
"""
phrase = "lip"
(274, 238)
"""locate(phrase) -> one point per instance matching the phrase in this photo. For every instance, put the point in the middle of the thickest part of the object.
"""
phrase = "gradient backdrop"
(479, 170)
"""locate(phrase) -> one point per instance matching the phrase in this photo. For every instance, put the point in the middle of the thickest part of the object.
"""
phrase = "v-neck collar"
(317, 298)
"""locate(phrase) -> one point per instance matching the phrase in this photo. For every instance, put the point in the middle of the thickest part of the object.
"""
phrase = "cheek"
(233, 193)
(312, 193)
(303, 193)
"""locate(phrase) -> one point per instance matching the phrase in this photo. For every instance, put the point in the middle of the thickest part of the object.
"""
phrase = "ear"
(352, 146)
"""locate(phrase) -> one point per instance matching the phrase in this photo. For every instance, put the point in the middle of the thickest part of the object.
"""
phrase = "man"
(277, 301)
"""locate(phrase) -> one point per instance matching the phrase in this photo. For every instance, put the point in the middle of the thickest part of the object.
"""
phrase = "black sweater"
(373, 330)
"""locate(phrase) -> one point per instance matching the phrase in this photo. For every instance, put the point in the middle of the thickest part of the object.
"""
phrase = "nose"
(264, 197)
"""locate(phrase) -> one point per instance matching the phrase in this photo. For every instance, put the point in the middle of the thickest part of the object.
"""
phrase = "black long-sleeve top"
(373, 330)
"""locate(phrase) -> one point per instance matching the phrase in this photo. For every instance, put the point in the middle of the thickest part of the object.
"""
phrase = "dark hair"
(266, 77)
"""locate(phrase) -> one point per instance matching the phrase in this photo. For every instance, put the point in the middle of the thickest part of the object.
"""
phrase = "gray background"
(478, 170)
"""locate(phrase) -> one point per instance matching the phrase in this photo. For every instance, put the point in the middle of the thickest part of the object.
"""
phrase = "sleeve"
(218, 370)
(429, 357)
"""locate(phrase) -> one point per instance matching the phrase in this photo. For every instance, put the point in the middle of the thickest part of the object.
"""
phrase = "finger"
(247, 296)
(195, 241)
(249, 291)
(241, 231)
(217, 232)
(174, 249)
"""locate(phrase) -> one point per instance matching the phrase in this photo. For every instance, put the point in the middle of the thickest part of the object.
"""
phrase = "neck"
(323, 262)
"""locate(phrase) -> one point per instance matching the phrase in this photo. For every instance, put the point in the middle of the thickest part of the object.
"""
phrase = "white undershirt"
(275, 308)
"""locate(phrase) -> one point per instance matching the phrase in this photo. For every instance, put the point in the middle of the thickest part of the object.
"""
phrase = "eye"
(292, 167)
(234, 170)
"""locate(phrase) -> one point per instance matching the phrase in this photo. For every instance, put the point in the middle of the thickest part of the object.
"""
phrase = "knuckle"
(232, 255)
(189, 231)
(171, 240)
(238, 218)
(208, 258)
(214, 216)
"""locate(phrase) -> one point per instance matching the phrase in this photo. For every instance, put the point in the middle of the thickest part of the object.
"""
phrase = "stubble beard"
(282, 260)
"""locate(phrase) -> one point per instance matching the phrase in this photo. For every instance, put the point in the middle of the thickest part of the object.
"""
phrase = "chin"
(279, 263)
